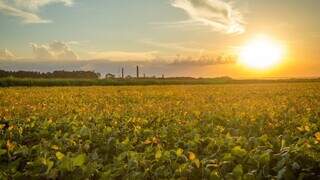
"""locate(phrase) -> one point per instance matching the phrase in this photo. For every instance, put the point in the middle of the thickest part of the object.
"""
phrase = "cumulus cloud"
(56, 50)
(27, 10)
(123, 55)
(217, 14)
(5, 54)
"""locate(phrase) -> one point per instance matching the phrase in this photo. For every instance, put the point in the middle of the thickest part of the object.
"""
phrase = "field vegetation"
(229, 131)
(49, 82)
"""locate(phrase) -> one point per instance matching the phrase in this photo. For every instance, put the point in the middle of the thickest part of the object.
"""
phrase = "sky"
(199, 38)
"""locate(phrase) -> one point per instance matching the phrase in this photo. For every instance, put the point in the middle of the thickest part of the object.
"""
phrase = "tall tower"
(122, 72)
(137, 71)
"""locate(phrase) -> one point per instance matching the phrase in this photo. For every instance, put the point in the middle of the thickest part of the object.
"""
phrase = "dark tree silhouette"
(110, 76)
(52, 75)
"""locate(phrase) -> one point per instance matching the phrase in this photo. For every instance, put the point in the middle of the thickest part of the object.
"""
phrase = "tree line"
(51, 75)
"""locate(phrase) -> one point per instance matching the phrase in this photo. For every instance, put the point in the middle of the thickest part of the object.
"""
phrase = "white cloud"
(34, 5)
(27, 10)
(58, 47)
(41, 52)
(217, 14)
(27, 17)
(56, 50)
(68, 55)
(5, 54)
(124, 56)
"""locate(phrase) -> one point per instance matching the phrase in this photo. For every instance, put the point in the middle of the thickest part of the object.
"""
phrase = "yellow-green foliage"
(152, 132)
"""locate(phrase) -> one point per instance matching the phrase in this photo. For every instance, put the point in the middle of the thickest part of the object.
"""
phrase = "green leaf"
(179, 152)
(238, 151)
(197, 162)
(59, 155)
(237, 171)
(79, 160)
(66, 164)
(263, 138)
(158, 154)
(264, 158)
(227, 157)
(84, 131)
(49, 165)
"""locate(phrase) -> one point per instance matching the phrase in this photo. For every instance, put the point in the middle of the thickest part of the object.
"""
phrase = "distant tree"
(55, 74)
(110, 76)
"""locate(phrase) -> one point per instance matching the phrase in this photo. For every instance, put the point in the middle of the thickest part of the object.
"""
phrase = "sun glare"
(261, 53)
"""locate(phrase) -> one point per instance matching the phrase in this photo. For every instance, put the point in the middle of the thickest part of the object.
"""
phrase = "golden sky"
(174, 37)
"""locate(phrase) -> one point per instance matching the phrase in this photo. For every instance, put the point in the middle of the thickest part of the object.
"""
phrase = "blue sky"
(98, 25)
(148, 30)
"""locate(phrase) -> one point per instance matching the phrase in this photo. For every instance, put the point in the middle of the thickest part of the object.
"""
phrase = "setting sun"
(261, 53)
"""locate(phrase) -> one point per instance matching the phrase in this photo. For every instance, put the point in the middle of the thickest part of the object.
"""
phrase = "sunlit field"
(152, 132)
